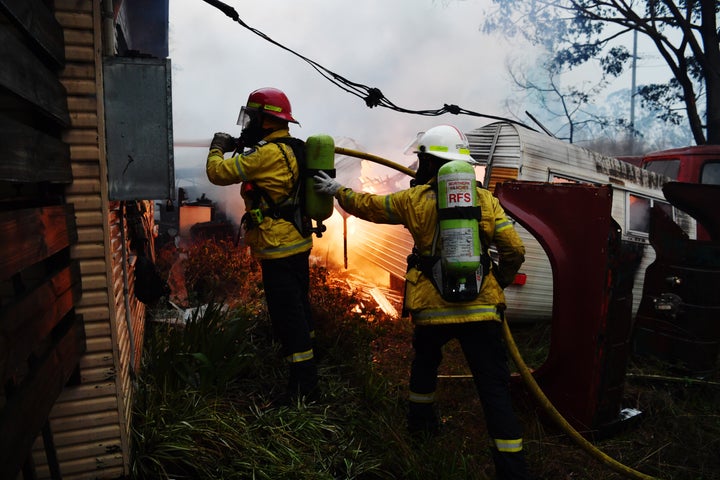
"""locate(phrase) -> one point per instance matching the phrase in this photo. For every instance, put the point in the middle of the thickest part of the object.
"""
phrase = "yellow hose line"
(517, 358)
(559, 419)
(376, 159)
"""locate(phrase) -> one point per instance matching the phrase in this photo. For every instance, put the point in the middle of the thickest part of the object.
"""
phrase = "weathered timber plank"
(29, 236)
(73, 19)
(86, 219)
(74, 5)
(83, 120)
(80, 153)
(28, 78)
(29, 155)
(27, 409)
(90, 234)
(94, 282)
(35, 19)
(78, 87)
(94, 298)
(79, 54)
(80, 137)
(84, 185)
(91, 201)
(30, 319)
(79, 37)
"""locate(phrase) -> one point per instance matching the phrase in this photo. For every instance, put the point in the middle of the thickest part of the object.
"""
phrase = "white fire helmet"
(443, 141)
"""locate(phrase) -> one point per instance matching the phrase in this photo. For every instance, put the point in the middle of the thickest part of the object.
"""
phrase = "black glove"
(224, 142)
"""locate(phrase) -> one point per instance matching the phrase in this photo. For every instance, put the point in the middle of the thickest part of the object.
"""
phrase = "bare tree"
(565, 107)
(684, 32)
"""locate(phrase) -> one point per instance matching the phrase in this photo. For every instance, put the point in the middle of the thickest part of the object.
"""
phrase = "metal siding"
(91, 421)
(386, 246)
(537, 156)
(139, 128)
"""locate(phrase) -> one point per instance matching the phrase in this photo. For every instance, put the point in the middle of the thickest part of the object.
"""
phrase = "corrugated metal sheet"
(386, 246)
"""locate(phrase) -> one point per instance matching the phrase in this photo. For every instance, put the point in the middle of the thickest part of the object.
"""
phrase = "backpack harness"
(432, 266)
(292, 208)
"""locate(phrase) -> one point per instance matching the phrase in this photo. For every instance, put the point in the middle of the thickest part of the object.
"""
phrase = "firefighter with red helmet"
(265, 161)
(474, 322)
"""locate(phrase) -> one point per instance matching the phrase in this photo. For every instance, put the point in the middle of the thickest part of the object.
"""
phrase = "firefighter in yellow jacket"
(266, 164)
(475, 323)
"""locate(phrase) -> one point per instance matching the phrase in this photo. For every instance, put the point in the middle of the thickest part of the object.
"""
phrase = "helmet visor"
(246, 114)
(414, 145)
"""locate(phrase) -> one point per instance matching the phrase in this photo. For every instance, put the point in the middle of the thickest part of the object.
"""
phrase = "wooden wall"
(41, 332)
(71, 329)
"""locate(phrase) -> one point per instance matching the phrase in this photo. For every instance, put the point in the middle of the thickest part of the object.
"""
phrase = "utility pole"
(632, 94)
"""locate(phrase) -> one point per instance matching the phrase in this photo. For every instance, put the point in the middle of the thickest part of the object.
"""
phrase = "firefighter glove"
(324, 183)
(224, 142)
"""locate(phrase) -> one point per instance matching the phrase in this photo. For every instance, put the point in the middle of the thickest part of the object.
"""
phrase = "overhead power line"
(372, 96)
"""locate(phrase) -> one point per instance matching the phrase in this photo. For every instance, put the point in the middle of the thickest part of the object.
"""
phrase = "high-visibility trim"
(504, 225)
(272, 108)
(487, 311)
(421, 397)
(300, 356)
(443, 148)
(312, 333)
(274, 251)
(513, 445)
(243, 176)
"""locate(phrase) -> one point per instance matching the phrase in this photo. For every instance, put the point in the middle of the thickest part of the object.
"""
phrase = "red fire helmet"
(269, 101)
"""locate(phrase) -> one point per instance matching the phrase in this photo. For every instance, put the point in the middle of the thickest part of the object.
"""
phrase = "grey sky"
(422, 54)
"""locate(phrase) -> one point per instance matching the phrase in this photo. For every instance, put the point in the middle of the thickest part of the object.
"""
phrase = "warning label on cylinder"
(458, 245)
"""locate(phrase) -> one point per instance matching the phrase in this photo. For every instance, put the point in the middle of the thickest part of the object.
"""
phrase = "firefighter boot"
(303, 380)
(422, 421)
(510, 465)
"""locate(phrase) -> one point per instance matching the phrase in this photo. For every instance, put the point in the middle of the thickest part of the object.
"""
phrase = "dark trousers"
(287, 282)
(484, 350)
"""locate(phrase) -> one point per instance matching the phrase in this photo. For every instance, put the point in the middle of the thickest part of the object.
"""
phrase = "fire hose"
(525, 372)
(550, 409)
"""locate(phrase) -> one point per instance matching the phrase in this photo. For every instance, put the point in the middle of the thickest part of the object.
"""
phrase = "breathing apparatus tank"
(458, 217)
(320, 155)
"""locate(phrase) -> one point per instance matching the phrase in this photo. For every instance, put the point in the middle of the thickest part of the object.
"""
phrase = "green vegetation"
(205, 405)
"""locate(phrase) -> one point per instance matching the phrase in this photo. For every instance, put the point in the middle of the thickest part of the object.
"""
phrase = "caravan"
(505, 151)
(512, 152)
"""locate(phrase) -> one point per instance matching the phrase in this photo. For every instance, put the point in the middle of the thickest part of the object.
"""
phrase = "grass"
(204, 406)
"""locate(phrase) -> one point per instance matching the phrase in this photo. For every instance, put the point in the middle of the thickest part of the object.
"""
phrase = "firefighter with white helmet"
(265, 161)
(438, 313)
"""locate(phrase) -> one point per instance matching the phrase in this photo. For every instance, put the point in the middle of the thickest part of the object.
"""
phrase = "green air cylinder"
(320, 153)
(457, 197)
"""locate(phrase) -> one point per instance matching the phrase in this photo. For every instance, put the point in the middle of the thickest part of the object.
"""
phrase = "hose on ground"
(525, 372)
(550, 409)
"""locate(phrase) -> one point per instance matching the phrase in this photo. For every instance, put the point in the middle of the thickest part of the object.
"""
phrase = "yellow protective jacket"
(416, 209)
(267, 168)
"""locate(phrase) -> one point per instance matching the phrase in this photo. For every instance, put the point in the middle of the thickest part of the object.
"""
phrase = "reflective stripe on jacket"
(416, 209)
(267, 168)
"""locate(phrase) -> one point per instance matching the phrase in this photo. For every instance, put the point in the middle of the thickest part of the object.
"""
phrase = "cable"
(372, 96)
(559, 419)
